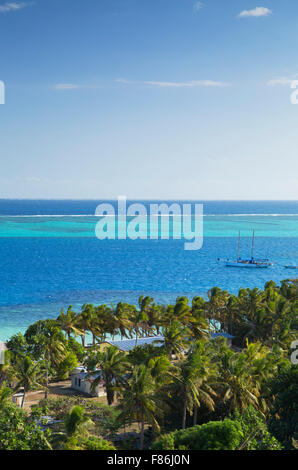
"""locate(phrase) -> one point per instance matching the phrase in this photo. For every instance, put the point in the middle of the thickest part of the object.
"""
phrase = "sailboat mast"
(238, 251)
(253, 245)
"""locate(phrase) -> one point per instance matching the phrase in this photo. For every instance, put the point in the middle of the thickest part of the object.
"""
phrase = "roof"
(85, 375)
(224, 335)
(129, 344)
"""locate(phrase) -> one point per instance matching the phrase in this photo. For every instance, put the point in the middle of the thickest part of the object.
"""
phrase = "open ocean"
(50, 257)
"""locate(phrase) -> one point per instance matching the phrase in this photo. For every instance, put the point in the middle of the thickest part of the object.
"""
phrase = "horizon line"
(145, 199)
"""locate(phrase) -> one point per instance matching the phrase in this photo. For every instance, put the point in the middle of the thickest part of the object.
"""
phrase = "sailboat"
(247, 263)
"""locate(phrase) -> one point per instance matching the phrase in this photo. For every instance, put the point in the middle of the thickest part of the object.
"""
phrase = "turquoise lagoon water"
(50, 257)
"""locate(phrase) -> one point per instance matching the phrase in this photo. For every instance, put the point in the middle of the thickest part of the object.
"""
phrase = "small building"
(82, 382)
(18, 398)
(3, 348)
(77, 370)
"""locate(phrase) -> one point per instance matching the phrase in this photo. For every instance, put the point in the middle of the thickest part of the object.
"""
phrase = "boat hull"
(231, 264)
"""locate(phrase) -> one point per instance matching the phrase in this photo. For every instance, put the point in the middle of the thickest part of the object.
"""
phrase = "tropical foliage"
(190, 390)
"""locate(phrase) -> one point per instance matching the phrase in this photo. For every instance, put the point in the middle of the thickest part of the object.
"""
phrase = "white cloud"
(12, 6)
(189, 84)
(257, 12)
(198, 5)
(66, 86)
(281, 81)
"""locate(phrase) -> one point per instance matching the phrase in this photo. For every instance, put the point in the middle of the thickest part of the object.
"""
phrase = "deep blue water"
(87, 207)
(40, 273)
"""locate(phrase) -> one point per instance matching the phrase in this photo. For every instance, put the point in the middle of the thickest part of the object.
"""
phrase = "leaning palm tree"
(155, 320)
(84, 320)
(27, 374)
(94, 326)
(121, 317)
(113, 365)
(147, 308)
(138, 319)
(68, 322)
(139, 402)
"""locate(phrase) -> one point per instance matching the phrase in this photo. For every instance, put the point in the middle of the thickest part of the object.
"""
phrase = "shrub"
(94, 443)
(215, 435)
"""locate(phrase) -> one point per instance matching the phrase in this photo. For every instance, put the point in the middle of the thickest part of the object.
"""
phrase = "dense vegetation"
(189, 392)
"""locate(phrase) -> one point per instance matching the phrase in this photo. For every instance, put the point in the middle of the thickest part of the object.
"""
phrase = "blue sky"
(149, 99)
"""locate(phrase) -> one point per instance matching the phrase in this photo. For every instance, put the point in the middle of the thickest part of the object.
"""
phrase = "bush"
(103, 417)
(247, 431)
(215, 435)
(18, 433)
(94, 443)
(284, 411)
(77, 348)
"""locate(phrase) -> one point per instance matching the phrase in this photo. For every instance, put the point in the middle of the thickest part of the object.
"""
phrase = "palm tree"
(195, 373)
(84, 320)
(76, 425)
(182, 311)
(198, 323)
(175, 339)
(27, 374)
(236, 380)
(121, 317)
(113, 365)
(68, 322)
(104, 323)
(278, 320)
(76, 422)
(154, 314)
(139, 318)
(94, 326)
(148, 309)
(162, 371)
(215, 305)
(139, 402)
(54, 350)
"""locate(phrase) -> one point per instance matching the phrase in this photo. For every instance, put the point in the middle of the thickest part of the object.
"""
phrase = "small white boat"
(291, 267)
(247, 263)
